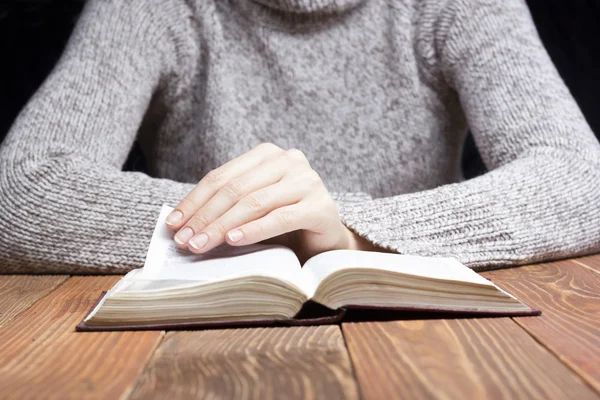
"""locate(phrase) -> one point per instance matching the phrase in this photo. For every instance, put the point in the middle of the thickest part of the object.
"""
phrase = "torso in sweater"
(368, 89)
(349, 88)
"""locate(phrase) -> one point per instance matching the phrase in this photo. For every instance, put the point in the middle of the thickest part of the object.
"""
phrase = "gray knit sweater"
(378, 94)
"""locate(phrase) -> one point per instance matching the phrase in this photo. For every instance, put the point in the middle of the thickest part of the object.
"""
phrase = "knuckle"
(188, 203)
(219, 227)
(255, 202)
(286, 217)
(269, 147)
(295, 155)
(199, 220)
(260, 232)
(214, 177)
(233, 189)
(312, 177)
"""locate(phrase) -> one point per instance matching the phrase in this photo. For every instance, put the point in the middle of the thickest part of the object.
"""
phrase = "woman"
(323, 124)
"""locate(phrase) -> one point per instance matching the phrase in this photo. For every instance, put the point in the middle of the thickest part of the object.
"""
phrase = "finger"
(264, 175)
(279, 221)
(215, 179)
(252, 207)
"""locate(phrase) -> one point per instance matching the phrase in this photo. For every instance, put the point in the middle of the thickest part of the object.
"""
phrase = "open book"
(264, 284)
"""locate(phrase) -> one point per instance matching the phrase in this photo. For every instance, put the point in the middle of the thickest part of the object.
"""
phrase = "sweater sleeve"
(66, 204)
(540, 199)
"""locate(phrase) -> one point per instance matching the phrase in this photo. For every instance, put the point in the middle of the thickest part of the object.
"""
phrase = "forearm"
(535, 208)
(68, 216)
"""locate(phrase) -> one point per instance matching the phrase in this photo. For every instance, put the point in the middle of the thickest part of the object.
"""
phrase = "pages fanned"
(265, 284)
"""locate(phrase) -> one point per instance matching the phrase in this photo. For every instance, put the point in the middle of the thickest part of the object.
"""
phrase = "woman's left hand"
(266, 193)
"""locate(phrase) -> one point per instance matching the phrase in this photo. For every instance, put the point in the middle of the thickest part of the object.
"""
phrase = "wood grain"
(288, 363)
(41, 356)
(457, 359)
(569, 296)
(19, 292)
(592, 262)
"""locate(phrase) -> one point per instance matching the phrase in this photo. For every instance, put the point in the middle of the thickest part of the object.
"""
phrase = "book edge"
(82, 327)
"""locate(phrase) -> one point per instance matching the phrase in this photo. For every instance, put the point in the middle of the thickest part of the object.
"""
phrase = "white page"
(165, 261)
(327, 263)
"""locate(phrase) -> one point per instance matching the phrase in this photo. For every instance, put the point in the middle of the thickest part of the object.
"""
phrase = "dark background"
(33, 34)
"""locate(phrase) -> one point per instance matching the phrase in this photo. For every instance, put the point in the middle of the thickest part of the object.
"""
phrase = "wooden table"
(554, 356)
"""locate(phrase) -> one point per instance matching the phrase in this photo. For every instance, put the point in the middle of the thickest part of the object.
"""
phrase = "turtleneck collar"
(310, 6)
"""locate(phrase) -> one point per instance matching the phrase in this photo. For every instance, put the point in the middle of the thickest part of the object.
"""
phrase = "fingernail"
(199, 241)
(235, 235)
(184, 235)
(174, 218)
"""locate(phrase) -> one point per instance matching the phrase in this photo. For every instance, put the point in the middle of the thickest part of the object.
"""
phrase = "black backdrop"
(33, 34)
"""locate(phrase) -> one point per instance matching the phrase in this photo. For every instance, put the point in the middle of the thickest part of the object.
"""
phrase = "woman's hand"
(266, 193)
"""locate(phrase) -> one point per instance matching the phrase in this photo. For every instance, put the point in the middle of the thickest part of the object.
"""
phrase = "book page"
(329, 262)
(165, 261)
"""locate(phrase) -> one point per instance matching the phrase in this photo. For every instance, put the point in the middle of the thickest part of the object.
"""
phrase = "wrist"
(357, 242)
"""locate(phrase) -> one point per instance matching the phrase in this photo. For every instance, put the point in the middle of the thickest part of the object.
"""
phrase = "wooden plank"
(41, 356)
(591, 262)
(457, 358)
(298, 362)
(569, 296)
(19, 292)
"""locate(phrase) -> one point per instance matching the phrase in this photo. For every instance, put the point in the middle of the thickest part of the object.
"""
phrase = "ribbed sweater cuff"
(87, 219)
(443, 222)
